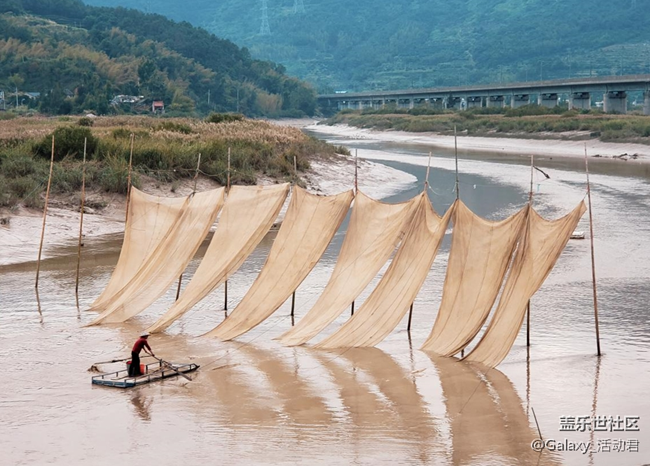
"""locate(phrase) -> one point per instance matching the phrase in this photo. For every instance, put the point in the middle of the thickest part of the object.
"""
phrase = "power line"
(265, 29)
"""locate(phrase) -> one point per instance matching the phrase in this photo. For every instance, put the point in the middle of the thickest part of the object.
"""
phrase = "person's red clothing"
(139, 344)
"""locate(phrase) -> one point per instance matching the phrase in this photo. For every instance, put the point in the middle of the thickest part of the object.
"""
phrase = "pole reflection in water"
(488, 422)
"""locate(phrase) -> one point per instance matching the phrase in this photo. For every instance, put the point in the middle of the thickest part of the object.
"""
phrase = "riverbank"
(21, 227)
(620, 153)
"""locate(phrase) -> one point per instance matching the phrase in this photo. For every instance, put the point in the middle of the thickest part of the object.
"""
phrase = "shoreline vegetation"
(165, 153)
(527, 122)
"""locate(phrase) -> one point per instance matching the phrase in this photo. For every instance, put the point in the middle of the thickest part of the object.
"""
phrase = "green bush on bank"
(68, 141)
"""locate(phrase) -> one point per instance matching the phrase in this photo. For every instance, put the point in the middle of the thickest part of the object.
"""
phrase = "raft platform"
(155, 371)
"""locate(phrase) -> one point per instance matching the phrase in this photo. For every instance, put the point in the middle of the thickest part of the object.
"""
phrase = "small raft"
(155, 371)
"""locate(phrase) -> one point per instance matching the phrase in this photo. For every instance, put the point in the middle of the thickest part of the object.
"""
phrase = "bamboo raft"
(155, 371)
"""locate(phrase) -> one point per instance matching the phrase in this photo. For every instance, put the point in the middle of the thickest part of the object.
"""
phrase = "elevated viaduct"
(579, 93)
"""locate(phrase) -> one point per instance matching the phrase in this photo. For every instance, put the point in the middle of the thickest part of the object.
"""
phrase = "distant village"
(136, 103)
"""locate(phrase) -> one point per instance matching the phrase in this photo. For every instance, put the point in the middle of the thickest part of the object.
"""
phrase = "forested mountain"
(80, 57)
(388, 44)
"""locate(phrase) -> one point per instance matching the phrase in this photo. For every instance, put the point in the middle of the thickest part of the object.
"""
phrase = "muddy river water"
(254, 401)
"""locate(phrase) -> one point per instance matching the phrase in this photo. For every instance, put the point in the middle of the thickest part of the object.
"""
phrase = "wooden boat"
(155, 371)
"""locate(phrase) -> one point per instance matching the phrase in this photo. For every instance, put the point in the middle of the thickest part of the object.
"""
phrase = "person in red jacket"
(140, 344)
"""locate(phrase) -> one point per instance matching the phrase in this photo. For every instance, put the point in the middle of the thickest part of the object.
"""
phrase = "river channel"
(256, 402)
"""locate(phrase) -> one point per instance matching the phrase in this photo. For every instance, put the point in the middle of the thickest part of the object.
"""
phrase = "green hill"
(381, 44)
(80, 57)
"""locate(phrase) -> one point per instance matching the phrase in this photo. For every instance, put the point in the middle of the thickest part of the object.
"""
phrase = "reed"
(162, 150)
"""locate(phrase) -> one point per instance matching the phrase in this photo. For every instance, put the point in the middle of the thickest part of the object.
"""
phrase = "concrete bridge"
(579, 93)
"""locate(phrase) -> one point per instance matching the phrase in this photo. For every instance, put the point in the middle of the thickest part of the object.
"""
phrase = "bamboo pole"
(356, 181)
(47, 200)
(228, 182)
(593, 255)
(456, 157)
(128, 179)
(196, 176)
(178, 289)
(528, 323)
(225, 298)
(426, 180)
(408, 326)
(81, 216)
(530, 201)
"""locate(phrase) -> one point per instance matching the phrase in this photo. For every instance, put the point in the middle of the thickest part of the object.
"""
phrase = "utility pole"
(208, 97)
(298, 6)
(16, 97)
(265, 29)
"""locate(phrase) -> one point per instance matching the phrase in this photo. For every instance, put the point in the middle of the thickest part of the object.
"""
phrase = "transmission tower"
(265, 29)
(298, 6)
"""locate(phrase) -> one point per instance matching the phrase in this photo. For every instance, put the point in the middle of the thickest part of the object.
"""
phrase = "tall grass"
(165, 150)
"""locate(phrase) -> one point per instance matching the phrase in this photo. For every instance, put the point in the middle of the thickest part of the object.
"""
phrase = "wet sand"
(256, 402)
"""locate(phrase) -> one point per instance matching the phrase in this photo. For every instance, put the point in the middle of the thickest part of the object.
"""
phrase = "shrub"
(16, 167)
(27, 190)
(66, 179)
(121, 133)
(113, 177)
(224, 117)
(85, 121)
(68, 140)
(175, 127)
(342, 150)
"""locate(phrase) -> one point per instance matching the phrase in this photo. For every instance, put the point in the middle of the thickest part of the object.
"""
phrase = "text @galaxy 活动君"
(602, 445)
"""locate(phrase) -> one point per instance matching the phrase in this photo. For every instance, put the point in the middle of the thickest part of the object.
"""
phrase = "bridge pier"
(615, 102)
(646, 103)
(519, 100)
(580, 101)
(452, 102)
(437, 103)
(474, 102)
(495, 101)
(547, 100)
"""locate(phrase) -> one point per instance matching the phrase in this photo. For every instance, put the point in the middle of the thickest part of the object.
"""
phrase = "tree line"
(80, 57)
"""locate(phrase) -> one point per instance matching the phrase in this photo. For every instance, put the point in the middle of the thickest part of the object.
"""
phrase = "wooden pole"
(228, 183)
(532, 176)
(528, 324)
(47, 199)
(530, 201)
(456, 157)
(295, 165)
(593, 256)
(225, 299)
(196, 174)
(352, 309)
(81, 216)
(408, 326)
(178, 290)
(293, 304)
(128, 180)
(426, 179)
(356, 177)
